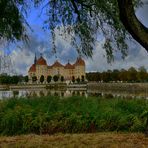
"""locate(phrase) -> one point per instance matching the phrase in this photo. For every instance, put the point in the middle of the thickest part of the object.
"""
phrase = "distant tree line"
(130, 75)
(15, 79)
(6, 79)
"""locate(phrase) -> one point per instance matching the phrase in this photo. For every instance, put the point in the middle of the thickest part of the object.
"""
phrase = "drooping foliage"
(12, 21)
(82, 21)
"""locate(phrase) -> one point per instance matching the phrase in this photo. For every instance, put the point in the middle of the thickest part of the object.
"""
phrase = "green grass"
(49, 115)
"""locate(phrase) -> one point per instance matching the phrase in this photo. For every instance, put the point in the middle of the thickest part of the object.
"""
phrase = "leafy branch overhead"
(12, 21)
(83, 21)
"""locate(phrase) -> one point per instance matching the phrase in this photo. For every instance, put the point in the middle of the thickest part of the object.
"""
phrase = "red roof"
(69, 66)
(80, 62)
(57, 64)
(32, 68)
(41, 61)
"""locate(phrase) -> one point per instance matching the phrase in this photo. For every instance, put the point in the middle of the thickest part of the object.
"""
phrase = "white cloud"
(22, 61)
(137, 57)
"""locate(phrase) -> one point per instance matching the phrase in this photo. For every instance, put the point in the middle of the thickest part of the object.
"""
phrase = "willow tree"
(12, 21)
(82, 21)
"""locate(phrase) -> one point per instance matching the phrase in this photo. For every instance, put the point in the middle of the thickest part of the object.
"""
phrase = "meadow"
(50, 115)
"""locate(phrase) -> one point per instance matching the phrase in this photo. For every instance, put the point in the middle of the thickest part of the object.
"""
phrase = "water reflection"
(40, 93)
(68, 93)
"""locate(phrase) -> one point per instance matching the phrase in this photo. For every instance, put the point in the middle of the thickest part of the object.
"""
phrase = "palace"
(68, 71)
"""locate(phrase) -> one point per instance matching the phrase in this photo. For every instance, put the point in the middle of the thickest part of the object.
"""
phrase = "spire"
(41, 54)
(35, 59)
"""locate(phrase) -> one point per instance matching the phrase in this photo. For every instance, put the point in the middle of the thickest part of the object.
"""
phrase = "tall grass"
(48, 115)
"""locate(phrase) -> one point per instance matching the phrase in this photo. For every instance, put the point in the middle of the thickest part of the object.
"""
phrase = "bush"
(42, 79)
(49, 78)
(55, 78)
(49, 115)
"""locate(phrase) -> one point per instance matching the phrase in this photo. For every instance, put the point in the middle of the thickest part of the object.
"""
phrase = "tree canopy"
(131, 75)
(12, 22)
(82, 20)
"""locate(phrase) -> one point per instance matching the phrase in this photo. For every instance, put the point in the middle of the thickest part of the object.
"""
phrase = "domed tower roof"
(41, 61)
(79, 62)
(32, 68)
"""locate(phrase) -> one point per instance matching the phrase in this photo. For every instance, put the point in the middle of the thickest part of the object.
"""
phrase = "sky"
(22, 57)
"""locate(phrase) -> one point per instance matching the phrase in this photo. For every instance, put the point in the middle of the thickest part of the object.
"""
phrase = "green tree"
(123, 75)
(78, 80)
(5, 79)
(73, 79)
(62, 78)
(49, 78)
(142, 74)
(26, 79)
(94, 76)
(106, 77)
(132, 74)
(82, 78)
(42, 79)
(55, 78)
(14, 79)
(115, 75)
(12, 21)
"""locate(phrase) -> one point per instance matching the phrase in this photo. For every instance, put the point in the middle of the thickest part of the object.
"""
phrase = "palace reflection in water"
(22, 93)
(41, 92)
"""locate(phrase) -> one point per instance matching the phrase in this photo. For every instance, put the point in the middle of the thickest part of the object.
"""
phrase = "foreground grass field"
(96, 140)
(50, 115)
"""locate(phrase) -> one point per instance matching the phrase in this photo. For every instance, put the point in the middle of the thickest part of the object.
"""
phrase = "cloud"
(21, 61)
(137, 57)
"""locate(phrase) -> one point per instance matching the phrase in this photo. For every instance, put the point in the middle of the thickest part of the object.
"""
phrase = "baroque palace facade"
(68, 71)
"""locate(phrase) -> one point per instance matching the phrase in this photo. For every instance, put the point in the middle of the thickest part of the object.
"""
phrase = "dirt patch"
(97, 140)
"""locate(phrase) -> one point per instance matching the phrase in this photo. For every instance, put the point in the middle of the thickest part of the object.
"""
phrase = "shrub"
(42, 79)
(49, 78)
(49, 115)
(55, 78)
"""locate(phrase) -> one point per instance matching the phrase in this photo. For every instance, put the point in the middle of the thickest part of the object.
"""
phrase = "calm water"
(66, 93)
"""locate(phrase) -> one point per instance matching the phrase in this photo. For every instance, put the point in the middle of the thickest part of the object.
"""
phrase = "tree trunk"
(127, 16)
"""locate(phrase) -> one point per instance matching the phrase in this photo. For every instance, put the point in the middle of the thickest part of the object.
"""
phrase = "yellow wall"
(78, 71)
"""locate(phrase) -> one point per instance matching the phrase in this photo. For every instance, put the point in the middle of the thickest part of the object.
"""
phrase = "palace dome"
(80, 62)
(32, 68)
(41, 61)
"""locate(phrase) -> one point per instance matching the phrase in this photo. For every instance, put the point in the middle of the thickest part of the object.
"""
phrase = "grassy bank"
(96, 140)
(49, 115)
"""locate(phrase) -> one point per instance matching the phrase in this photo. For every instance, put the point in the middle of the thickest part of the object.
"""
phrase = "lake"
(18, 93)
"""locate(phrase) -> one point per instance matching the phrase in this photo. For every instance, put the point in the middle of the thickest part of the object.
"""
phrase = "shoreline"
(89, 85)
